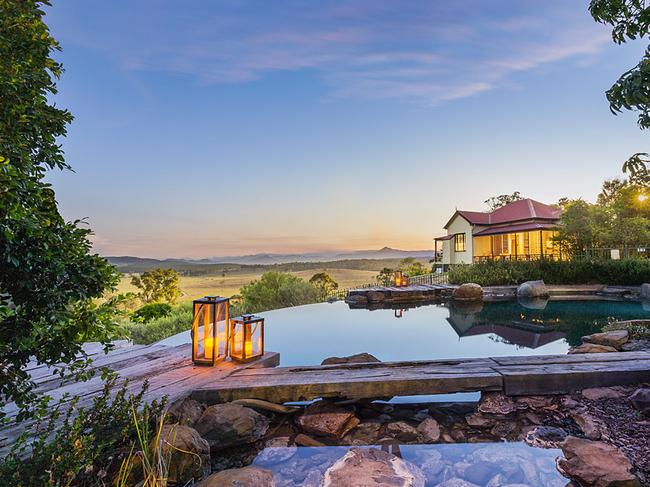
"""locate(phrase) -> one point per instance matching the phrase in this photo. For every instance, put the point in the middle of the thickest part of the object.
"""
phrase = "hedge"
(628, 272)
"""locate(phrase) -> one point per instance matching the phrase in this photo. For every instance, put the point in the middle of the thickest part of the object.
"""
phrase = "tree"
(48, 277)
(324, 282)
(502, 200)
(385, 276)
(277, 290)
(630, 20)
(158, 285)
(412, 267)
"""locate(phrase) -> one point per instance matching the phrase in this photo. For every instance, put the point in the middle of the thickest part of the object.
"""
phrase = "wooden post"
(541, 245)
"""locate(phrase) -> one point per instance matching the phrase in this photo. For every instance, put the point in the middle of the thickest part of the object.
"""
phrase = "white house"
(519, 230)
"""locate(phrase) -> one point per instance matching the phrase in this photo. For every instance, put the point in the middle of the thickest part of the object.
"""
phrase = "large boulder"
(429, 430)
(468, 292)
(402, 431)
(323, 418)
(226, 425)
(185, 411)
(240, 477)
(615, 339)
(499, 403)
(370, 467)
(596, 464)
(591, 348)
(641, 400)
(532, 289)
(188, 453)
(357, 358)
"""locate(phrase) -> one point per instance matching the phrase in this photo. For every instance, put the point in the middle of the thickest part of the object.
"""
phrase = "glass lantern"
(400, 279)
(210, 330)
(246, 338)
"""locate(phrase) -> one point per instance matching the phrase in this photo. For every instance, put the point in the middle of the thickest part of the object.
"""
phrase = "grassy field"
(197, 286)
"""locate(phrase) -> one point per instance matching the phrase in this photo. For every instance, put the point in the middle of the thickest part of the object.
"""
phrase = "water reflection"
(306, 335)
(480, 464)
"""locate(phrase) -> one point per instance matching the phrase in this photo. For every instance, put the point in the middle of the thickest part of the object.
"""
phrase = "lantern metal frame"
(400, 279)
(249, 324)
(215, 307)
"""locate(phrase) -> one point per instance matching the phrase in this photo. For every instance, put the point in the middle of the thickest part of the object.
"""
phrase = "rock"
(402, 431)
(503, 428)
(591, 348)
(364, 434)
(636, 345)
(429, 430)
(456, 482)
(375, 296)
(614, 339)
(645, 292)
(587, 424)
(185, 411)
(357, 299)
(641, 400)
(545, 437)
(432, 465)
(325, 419)
(370, 467)
(498, 403)
(304, 440)
(537, 402)
(478, 420)
(468, 292)
(480, 473)
(357, 358)
(599, 393)
(532, 289)
(226, 425)
(569, 403)
(595, 463)
(240, 477)
(189, 454)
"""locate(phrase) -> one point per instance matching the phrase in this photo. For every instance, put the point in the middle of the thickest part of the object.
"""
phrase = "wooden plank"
(572, 358)
(562, 378)
(286, 384)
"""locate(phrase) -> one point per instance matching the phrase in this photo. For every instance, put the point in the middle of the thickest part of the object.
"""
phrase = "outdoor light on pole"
(246, 338)
(210, 330)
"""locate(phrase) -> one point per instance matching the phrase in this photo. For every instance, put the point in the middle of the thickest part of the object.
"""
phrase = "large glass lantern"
(246, 338)
(210, 330)
(400, 279)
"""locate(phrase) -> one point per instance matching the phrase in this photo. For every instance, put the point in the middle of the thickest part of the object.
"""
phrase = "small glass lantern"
(246, 338)
(210, 330)
(399, 313)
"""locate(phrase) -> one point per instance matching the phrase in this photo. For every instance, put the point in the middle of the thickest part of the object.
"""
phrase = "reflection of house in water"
(516, 329)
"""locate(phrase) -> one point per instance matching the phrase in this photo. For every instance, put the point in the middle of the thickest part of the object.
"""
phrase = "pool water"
(305, 335)
(478, 464)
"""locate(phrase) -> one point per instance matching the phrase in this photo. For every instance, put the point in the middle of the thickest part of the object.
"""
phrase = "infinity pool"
(305, 335)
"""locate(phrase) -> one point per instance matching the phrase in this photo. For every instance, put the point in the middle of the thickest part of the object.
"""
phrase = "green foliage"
(324, 282)
(158, 285)
(48, 278)
(151, 311)
(502, 200)
(386, 276)
(277, 290)
(411, 267)
(89, 446)
(637, 329)
(578, 271)
(179, 319)
(630, 20)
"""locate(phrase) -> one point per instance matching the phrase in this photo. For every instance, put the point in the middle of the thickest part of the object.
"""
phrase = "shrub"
(89, 446)
(151, 311)
(179, 319)
(579, 271)
(277, 290)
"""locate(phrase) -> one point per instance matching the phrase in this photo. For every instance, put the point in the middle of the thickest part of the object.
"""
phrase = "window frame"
(457, 242)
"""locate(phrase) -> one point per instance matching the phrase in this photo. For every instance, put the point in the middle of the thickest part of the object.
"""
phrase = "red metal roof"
(521, 227)
(526, 209)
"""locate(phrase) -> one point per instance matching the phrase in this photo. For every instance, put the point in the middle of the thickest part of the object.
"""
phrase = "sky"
(227, 127)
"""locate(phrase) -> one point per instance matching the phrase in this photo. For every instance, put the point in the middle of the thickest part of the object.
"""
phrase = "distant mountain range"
(269, 259)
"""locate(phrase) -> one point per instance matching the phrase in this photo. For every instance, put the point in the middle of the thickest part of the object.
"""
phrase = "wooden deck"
(169, 371)
(543, 374)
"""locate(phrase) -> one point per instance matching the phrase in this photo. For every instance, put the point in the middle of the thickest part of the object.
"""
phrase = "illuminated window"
(459, 242)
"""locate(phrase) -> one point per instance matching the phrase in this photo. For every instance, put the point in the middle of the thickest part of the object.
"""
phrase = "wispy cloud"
(430, 52)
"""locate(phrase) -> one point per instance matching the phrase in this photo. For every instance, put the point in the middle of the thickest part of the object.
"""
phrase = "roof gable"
(526, 209)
